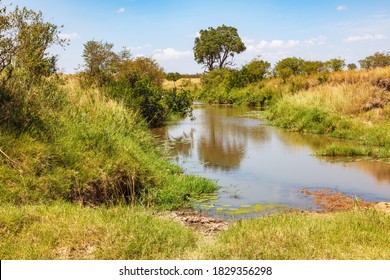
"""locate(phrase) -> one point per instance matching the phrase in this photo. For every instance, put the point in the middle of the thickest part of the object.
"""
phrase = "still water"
(262, 169)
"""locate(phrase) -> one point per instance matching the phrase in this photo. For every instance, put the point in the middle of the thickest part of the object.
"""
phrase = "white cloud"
(120, 10)
(276, 44)
(263, 44)
(69, 36)
(342, 8)
(282, 44)
(141, 47)
(320, 40)
(247, 41)
(366, 37)
(170, 53)
(292, 43)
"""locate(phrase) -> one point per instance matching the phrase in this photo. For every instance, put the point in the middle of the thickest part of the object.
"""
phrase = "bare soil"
(206, 225)
(332, 201)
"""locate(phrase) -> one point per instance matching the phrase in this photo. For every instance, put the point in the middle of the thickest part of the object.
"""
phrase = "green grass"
(347, 235)
(94, 151)
(67, 231)
(368, 140)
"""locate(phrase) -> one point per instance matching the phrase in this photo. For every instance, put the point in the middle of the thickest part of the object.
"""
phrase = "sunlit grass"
(66, 231)
(349, 235)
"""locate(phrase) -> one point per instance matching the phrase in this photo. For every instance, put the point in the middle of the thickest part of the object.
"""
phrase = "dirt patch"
(332, 201)
(196, 221)
(383, 206)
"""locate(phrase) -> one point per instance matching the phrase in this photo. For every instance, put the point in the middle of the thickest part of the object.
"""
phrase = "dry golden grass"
(346, 99)
(181, 83)
(353, 76)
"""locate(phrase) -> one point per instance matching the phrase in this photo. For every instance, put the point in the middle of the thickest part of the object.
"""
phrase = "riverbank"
(353, 105)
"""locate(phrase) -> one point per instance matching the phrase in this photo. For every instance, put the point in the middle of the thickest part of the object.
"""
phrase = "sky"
(271, 29)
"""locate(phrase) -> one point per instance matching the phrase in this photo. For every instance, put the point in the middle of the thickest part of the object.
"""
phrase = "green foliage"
(99, 62)
(25, 64)
(335, 64)
(288, 67)
(313, 67)
(234, 87)
(148, 98)
(253, 72)
(351, 66)
(173, 76)
(133, 70)
(378, 59)
(293, 66)
(372, 141)
(216, 47)
(152, 102)
(24, 42)
(137, 82)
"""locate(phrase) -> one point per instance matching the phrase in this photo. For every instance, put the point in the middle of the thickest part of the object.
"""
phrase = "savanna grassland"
(82, 177)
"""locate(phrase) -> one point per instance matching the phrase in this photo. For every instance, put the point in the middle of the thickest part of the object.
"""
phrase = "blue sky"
(272, 29)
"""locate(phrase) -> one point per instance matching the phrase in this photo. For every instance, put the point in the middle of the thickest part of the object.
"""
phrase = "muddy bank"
(331, 201)
(196, 221)
(328, 200)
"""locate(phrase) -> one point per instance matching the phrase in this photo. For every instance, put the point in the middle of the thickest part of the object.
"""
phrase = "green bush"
(153, 103)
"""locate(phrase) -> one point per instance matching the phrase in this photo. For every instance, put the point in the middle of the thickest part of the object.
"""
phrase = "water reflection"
(222, 145)
(380, 170)
(258, 164)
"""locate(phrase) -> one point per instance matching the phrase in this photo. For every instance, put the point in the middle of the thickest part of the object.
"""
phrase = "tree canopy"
(289, 66)
(378, 59)
(24, 42)
(216, 47)
(99, 61)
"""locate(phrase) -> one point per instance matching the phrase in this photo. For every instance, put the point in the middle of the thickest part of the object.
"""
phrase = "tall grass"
(345, 99)
(92, 150)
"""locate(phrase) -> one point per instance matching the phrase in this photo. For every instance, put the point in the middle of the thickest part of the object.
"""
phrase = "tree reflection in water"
(222, 144)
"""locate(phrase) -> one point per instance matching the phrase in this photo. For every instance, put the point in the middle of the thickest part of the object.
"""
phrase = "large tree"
(216, 47)
(289, 66)
(99, 61)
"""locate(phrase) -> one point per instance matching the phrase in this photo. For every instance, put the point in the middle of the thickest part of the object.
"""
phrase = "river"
(262, 169)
